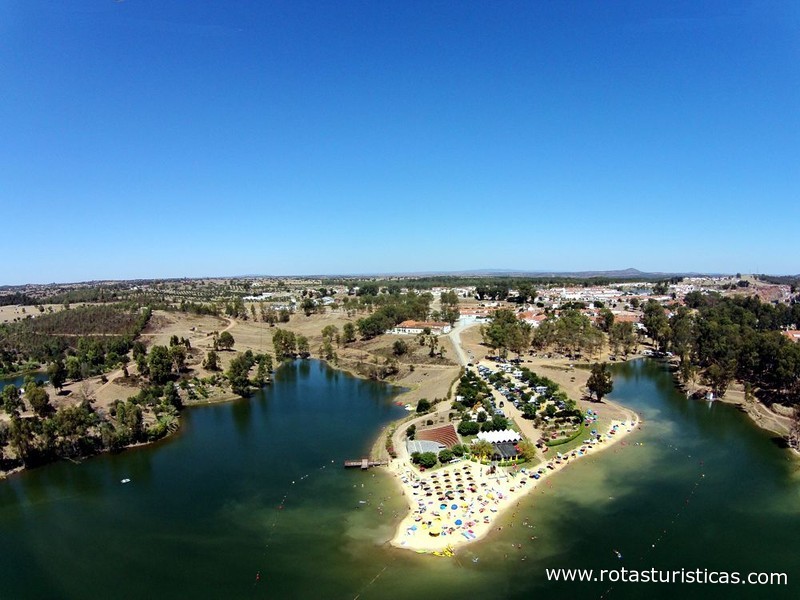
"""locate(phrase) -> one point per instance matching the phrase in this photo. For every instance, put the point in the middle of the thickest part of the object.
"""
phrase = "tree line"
(716, 339)
(76, 431)
(92, 338)
(394, 309)
(722, 339)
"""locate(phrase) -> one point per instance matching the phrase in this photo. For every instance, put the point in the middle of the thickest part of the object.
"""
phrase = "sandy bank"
(462, 502)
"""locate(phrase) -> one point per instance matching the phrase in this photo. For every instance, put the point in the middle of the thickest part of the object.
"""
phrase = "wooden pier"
(364, 463)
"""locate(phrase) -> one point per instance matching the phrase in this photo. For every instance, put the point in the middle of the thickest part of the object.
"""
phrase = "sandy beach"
(462, 502)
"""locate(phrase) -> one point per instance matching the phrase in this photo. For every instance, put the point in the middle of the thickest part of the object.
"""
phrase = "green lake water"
(257, 486)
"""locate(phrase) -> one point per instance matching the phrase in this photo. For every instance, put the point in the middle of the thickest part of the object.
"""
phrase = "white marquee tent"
(498, 437)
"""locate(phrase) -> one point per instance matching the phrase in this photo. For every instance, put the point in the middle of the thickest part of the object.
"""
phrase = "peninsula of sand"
(463, 501)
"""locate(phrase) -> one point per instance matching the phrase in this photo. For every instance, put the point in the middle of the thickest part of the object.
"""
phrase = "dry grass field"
(11, 313)
(420, 375)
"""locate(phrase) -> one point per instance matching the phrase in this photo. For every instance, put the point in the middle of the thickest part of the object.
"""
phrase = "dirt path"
(455, 338)
(439, 417)
(764, 417)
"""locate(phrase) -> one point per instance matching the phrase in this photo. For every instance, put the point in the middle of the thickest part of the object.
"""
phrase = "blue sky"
(164, 139)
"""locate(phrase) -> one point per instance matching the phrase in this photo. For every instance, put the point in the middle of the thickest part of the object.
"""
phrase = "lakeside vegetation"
(722, 339)
(716, 340)
(76, 431)
(38, 432)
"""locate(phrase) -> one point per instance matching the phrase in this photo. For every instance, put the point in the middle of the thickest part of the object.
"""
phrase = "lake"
(257, 487)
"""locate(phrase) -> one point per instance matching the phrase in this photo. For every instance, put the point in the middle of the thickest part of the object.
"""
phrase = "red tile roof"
(422, 324)
(792, 334)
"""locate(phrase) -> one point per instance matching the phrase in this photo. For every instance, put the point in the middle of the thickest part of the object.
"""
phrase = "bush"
(468, 428)
(428, 459)
(399, 348)
(423, 405)
(445, 456)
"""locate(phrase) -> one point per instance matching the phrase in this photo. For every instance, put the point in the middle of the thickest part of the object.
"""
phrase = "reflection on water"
(20, 380)
(257, 486)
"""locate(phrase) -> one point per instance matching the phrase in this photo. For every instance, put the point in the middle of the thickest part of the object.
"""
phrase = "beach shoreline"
(480, 498)
(429, 528)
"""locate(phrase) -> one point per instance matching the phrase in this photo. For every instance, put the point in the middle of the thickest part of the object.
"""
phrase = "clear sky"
(158, 138)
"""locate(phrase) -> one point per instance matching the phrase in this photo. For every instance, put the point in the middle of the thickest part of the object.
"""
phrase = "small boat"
(125, 481)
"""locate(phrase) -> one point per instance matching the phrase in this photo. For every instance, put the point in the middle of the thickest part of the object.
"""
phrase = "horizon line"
(632, 273)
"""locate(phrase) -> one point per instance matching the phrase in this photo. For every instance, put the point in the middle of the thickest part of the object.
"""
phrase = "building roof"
(424, 446)
(531, 316)
(626, 318)
(422, 324)
(792, 334)
(471, 311)
(505, 451)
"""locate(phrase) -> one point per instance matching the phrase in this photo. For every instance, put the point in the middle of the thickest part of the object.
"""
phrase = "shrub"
(428, 459)
(468, 428)
(445, 455)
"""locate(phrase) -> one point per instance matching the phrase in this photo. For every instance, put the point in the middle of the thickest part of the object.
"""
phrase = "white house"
(417, 327)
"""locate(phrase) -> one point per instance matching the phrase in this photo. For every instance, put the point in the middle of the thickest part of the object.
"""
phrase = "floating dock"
(363, 463)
